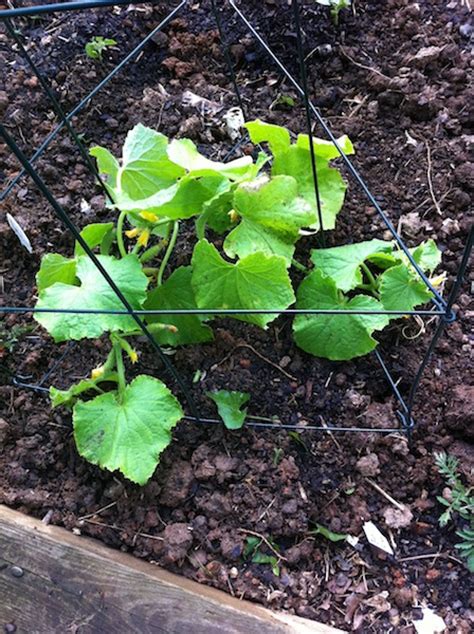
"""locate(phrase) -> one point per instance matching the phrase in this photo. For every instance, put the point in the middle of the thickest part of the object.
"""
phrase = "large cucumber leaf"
(343, 264)
(335, 337)
(272, 214)
(256, 282)
(128, 432)
(93, 292)
(402, 289)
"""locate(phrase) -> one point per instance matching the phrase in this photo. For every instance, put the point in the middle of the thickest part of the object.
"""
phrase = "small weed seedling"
(97, 45)
(335, 7)
(459, 500)
(253, 551)
(259, 209)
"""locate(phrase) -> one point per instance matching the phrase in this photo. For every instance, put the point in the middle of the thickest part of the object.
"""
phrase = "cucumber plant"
(257, 209)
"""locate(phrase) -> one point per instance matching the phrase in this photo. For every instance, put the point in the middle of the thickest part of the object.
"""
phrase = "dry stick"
(369, 68)
(120, 528)
(101, 510)
(259, 354)
(431, 556)
(430, 181)
(266, 510)
(386, 495)
(264, 539)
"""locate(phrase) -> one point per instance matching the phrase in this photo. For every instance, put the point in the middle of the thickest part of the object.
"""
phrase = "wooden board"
(52, 581)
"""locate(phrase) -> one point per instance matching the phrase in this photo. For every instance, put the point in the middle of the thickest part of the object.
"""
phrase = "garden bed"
(409, 116)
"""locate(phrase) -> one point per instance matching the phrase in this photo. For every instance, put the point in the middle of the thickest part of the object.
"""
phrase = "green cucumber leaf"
(215, 213)
(342, 264)
(402, 289)
(427, 255)
(335, 337)
(127, 433)
(107, 164)
(326, 149)
(177, 293)
(330, 535)
(278, 138)
(96, 234)
(93, 292)
(55, 268)
(272, 215)
(296, 162)
(182, 200)
(256, 282)
(229, 406)
(183, 152)
(146, 167)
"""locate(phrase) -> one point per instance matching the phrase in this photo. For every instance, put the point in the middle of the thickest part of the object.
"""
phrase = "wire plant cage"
(441, 308)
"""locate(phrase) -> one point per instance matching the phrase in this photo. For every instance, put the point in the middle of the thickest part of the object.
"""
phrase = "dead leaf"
(397, 518)
(379, 602)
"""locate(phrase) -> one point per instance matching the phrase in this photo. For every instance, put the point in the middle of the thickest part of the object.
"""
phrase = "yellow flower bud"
(148, 215)
(97, 372)
(144, 237)
(233, 215)
(133, 356)
(132, 233)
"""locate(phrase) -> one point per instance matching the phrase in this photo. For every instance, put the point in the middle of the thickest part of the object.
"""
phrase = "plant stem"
(120, 243)
(372, 281)
(299, 266)
(120, 368)
(153, 251)
(168, 253)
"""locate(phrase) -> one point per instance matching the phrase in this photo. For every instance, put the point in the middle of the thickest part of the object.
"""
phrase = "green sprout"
(97, 45)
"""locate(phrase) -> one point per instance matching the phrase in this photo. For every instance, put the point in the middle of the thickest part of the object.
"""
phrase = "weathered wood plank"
(53, 581)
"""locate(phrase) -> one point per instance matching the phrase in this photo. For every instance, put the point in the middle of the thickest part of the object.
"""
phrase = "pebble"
(16, 571)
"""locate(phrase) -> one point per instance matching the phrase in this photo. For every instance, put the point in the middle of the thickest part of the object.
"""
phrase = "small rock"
(177, 540)
(397, 518)
(3, 101)
(231, 547)
(112, 123)
(466, 30)
(4, 431)
(177, 485)
(426, 56)
(16, 571)
(369, 465)
(290, 507)
(285, 361)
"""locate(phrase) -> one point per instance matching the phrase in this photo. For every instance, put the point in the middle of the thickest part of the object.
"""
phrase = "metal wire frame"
(443, 309)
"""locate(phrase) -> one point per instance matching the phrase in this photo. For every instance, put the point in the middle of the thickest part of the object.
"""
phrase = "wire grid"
(442, 309)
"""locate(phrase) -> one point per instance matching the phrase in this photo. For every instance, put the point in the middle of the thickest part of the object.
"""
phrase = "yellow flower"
(148, 215)
(97, 372)
(233, 215)
(132, 233)
(438, 280)
(133, 356)
(143, 238)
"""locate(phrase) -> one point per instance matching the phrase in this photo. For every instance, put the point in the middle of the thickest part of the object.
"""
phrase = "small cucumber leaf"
(325, 532)
(127, 433)
(183, 152)
(55, 268)
(402, 289)
(146, 167)
(177, 293)
(278, 138)
(94, 235)
(257, 282)
(326, 149)
(93, 292)
(335, 337)
(296, 162)
(229, 406)
(342, 264)
(272, 215)
(427, 255)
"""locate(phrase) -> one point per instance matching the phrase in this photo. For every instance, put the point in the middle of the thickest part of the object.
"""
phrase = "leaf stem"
(120, 243)
(372, 281)
(120, 367)
(168, 253)
(299, 266)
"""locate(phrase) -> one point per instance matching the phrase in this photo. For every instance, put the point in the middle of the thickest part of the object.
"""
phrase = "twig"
(431, 556)
(259, 354)
(264, 539)
(386, 495)
(101, 510)
(430, 181)
(369, 68)
(266, 510)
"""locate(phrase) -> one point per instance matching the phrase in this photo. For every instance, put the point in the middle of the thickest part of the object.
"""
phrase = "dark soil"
(397, 77)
